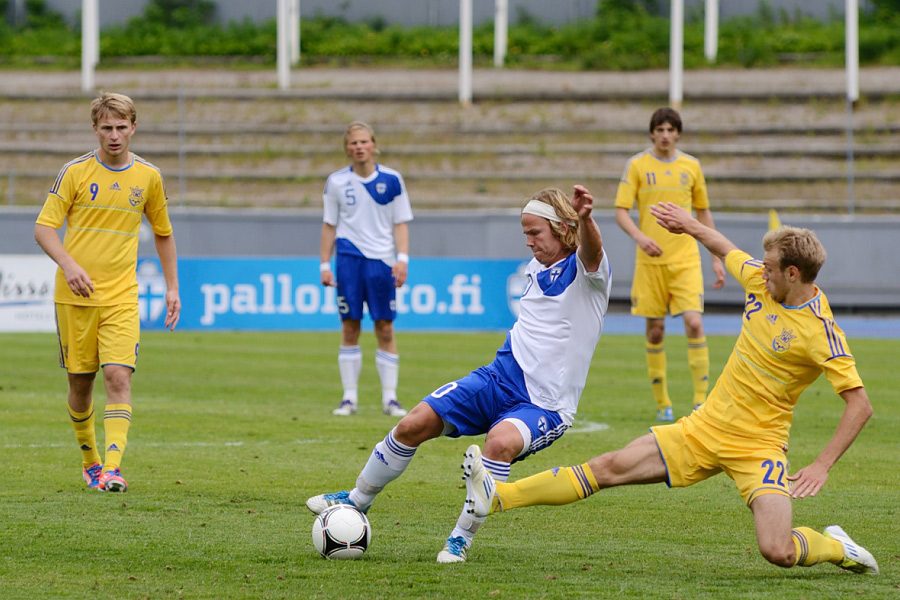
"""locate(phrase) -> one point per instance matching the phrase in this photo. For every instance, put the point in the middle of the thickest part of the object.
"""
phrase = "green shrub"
(625, 34)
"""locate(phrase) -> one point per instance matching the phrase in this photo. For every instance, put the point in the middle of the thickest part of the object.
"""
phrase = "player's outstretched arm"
(809, 480)
(677, 220)
(590, 242)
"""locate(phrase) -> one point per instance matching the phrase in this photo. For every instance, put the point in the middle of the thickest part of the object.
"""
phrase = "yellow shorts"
(658, 290)
(93, 336)
(694, 451)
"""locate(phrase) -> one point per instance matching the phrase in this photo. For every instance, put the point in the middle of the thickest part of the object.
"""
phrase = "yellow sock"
(698, 359)
(813, 547)
(85, 435)
(556, 486)
(656, 370)
(115, 423)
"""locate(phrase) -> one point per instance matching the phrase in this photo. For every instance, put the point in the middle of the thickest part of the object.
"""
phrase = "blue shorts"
(490, 394)
(366, 280)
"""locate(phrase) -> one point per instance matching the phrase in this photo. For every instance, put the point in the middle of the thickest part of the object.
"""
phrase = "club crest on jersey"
(381, 187)
(782, 343)
(137, 196)
(685, 179)
(771, 318)
(555, 272)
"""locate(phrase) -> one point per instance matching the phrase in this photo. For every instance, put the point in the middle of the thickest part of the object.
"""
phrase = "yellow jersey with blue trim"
(102, 207)
(780, 351)
(649, 180)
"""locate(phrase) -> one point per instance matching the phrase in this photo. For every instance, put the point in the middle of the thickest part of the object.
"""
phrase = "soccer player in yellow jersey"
(101, 196)
(668, 278)
(788, 337)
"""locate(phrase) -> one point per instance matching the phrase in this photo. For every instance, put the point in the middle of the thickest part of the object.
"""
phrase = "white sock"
(350, 364)
(468, 525)
(388, 366)
(387, 462)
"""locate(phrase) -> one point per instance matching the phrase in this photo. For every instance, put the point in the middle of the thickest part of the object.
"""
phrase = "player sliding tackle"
(788, 337)
(527, 397)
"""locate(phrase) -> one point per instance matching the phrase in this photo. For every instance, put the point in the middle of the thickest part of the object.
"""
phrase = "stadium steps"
(266, 149)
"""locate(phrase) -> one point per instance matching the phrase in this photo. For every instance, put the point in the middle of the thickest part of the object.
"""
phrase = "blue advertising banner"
(285, 294)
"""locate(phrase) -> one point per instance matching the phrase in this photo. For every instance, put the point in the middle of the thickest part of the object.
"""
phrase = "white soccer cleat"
(856, 558)
(393, 409)
(454, 551)
(480, 484)
(319, 503)
(347, 408)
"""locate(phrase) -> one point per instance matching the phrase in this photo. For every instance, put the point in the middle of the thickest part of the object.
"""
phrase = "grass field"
(233, 431)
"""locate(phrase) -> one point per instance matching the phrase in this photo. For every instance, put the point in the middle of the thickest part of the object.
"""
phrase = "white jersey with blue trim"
(364, 211)
(560, 320)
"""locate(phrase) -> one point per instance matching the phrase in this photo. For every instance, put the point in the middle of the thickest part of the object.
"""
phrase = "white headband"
(542, 209)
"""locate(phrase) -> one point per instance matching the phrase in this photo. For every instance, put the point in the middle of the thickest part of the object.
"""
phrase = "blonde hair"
(359, 125)
(799, 248)
(566, 233)
(119, 106)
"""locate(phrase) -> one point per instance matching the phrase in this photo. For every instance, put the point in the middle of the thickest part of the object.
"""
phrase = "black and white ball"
(341, 531)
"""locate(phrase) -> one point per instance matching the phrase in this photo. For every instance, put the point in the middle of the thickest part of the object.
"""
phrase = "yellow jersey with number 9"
(780, 351)
(102, 209)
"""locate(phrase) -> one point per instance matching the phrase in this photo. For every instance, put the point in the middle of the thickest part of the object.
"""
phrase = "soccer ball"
(341, 531)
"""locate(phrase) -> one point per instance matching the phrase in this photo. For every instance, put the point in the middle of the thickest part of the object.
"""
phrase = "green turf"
(233, 431)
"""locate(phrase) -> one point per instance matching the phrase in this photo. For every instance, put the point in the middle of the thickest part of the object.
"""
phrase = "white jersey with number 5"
(365, 211)
(560, 320)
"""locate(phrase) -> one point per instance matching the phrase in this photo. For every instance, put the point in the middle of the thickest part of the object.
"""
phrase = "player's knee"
(502, 449)
(606, 469)
(781, 555)
(418, 426)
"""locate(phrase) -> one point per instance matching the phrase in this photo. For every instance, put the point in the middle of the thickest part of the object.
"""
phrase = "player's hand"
(173, 309)
(78, 280)
(649, 247)
(582, 201)
(671, 217)
(719, 270)
(399, 271)
(328, 279)
(807, 481)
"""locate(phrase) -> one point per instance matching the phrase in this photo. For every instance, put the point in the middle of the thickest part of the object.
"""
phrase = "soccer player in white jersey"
(527, 397)
(788, 338)
(366, 214)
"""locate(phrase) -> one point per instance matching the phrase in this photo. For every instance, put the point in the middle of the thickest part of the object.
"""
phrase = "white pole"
(295, 31)
(282, 45)
(501, 26)
(465, 52)
(851, 42)
(711, 31)
(90, 15)
(676, 50)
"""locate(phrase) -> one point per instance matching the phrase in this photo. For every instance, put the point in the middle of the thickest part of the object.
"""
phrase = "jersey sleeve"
(330, 202)
(831, 352)
(157, 207)
(628, 186)
(59, 200)
(401, 204)
(743, 267)
(599, 279)
(699, 195)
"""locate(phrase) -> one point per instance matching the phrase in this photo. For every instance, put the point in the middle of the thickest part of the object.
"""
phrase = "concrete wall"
(438, 12)
(862, 269)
